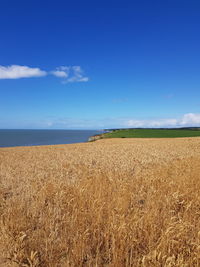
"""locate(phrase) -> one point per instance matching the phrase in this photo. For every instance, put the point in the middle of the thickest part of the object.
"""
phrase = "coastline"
(95, 137)
(99, 136)
(148, 133)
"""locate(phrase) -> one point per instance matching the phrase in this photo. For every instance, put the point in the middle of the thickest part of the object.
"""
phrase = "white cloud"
(70, 74)
(61, 72)
(189, 119)
(152, 123)
(17, 72)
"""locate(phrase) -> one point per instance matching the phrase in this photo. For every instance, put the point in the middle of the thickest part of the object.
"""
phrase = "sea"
(10, 138)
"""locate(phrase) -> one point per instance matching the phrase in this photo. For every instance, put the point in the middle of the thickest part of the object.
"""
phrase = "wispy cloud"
(61, 72)
(120, 100)
(71, 74)
(17, 72)
(169, 96)
(68, 74)
(187, 120)
(77, 75)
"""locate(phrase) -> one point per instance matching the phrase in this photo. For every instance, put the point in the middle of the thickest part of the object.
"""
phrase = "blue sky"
(99, 64)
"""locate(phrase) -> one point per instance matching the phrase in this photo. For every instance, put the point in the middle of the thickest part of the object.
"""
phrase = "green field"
(152, 133)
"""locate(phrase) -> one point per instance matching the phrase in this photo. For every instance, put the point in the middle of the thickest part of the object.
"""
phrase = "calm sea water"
(43, 137)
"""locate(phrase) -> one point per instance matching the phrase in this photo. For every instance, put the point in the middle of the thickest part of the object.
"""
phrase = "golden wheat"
(120, 202)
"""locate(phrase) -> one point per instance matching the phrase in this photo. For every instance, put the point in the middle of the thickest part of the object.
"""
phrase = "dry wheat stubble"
(121, 202)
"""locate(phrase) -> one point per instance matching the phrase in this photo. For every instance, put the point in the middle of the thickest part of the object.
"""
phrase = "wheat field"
(112, 202)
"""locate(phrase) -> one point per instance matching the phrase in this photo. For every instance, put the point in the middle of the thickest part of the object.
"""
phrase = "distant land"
(153, 128)
(148, 133)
